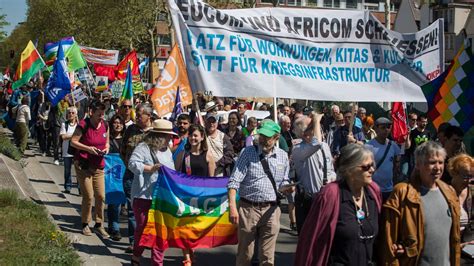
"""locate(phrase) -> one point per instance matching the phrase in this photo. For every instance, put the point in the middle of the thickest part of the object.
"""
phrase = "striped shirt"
(250, 179)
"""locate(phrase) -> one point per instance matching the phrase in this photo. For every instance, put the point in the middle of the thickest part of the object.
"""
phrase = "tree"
(3, 23)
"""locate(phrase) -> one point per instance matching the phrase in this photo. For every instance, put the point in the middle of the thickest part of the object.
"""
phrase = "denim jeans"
(113, 213)
(127, 188)
(67, 173)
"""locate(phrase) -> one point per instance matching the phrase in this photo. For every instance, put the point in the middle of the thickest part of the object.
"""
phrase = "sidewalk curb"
(91, 249)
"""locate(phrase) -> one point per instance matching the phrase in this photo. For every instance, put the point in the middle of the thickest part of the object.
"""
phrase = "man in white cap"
(386, 156)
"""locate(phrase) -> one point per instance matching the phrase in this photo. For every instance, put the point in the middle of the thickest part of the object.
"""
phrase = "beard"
(182, 130)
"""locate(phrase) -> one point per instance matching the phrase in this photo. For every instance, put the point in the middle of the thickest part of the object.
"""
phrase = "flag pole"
(42, 60)
(87, 84)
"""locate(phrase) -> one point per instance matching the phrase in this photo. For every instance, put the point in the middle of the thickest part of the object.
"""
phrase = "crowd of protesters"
(355, 196)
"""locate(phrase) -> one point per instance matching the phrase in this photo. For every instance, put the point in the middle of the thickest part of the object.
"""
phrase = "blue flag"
(178, 108)
(59, 84)
(114, 171)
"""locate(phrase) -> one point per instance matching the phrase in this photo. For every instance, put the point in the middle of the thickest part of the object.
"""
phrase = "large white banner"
(100, 56)
(341, 55)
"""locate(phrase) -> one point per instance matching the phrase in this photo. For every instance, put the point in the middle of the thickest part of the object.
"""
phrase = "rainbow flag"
(51, 49)
(450, 96)
(30, 63)
(127, 92)
(189, 212)
(72, 51)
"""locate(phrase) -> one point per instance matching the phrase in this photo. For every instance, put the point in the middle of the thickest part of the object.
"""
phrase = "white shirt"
(144, 183)
(383, 175)
(69, 132)
(308, 161)
(23, 114)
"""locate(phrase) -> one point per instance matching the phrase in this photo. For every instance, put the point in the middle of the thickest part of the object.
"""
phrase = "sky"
(15, 11)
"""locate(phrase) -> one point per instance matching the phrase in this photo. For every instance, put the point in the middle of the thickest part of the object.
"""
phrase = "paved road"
(286, 244)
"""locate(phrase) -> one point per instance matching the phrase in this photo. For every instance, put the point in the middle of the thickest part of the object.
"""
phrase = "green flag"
(75, 58)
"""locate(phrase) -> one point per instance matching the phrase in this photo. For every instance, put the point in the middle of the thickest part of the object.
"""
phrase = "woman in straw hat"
(146, 160)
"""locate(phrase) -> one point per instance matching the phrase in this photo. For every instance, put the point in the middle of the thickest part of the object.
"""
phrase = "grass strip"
(28, 237)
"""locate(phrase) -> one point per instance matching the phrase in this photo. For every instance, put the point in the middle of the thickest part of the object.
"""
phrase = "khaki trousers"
(21, 135)
(92, 186)
(260, 224)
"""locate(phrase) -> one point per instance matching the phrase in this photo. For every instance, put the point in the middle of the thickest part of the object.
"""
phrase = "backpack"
(70, 149)
(14, 111)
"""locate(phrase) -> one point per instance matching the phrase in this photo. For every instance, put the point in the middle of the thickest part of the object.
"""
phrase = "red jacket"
(315, 242)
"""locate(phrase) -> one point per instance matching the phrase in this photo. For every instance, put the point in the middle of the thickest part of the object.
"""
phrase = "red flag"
(122, 66)
(105, 70)
(399, 118)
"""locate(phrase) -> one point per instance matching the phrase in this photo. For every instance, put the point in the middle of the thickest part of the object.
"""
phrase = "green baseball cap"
(269, 128)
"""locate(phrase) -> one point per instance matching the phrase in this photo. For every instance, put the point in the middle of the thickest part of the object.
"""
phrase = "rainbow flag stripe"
(189, 212)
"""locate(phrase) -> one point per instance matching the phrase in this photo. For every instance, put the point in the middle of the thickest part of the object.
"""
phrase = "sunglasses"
(126, 106)
(367, 167)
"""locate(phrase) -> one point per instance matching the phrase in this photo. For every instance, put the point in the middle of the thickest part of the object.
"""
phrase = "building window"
(162, 16)
(294, 2)
(449, 42)
(351, 4)
(312, 3)
(164, 39)
(332, 3)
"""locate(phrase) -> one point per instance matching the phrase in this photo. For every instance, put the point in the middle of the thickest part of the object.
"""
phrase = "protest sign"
(114, 171)
(315, 54)
(102, 83)
(78, 95)
(100, 56)
(116, 89)
(85, 77)
(172, 76)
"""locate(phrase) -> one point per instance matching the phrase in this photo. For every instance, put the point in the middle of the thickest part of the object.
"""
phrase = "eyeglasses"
(71, 112)
(126, 106)
(367, 167)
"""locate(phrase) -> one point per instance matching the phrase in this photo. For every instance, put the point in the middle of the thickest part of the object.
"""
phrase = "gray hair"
(299, 126)
(72, 109)
(155, 141)
(427, 149)
(146, 107)
(352, 155)
(284, 118)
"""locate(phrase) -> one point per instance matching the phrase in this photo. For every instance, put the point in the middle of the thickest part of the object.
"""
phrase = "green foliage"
(8, 149)
(103, 24)
(3, 23)
(17, 41)
(28, 237)
(109, 24)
